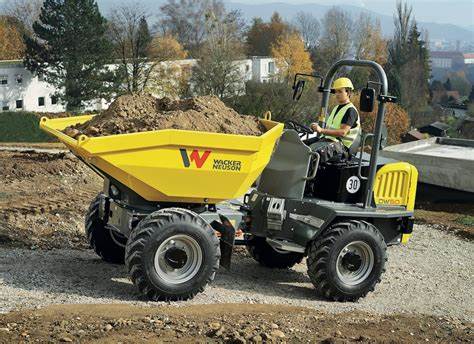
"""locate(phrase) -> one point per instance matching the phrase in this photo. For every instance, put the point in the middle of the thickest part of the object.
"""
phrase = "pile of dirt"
(44, 197)
(32, 164)
(142, 112)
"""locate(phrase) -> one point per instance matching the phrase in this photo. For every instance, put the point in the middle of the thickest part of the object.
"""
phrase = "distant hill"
(288, 11)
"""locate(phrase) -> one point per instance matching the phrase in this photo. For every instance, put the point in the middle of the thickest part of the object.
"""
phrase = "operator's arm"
(348, 121)
(336, 132)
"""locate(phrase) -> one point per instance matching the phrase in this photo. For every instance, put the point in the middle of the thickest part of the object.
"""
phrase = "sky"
(457, 12)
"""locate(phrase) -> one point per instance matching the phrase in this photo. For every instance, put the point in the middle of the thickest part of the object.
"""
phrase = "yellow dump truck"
(166, 208)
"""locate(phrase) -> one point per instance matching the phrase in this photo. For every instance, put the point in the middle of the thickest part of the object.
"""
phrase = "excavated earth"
(143, 112)
(43, 198)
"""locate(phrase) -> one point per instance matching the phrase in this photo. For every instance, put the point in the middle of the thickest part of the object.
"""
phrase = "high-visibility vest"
(334, 122)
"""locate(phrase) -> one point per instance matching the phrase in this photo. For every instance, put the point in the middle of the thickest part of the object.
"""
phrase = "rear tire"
(267, 256)
(347, 261)
(172, 255)
(100, 238)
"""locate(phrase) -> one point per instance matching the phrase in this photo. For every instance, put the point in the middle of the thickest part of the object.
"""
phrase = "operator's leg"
(328, 150)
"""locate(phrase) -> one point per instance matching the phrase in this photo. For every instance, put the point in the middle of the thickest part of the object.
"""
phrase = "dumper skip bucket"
(174, 165)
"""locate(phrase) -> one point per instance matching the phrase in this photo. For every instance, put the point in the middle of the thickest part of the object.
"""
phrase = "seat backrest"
(284, 175)
(355, 144)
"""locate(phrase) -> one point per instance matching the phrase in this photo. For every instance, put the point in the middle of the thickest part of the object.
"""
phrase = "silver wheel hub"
(178, 259)
(355, 262)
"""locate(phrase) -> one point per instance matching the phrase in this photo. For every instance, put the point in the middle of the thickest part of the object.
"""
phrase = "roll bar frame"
(382, 99)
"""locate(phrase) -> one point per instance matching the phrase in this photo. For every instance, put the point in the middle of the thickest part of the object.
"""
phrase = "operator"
(342, 126)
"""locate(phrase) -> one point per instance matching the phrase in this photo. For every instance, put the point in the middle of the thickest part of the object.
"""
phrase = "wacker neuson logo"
(227, 165)
(200, 158)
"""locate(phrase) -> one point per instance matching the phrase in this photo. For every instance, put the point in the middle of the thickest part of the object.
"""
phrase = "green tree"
(70, 49)
(398, 48)
(415, 73)
(447, 85)
(471, 95)
(408, 62)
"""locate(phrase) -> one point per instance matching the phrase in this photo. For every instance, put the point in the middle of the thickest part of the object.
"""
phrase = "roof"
(469, 56)
(10, 62)
(416, 134)
(440, 125)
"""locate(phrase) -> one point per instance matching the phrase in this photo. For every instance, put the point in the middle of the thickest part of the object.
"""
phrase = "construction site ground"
(53, 288)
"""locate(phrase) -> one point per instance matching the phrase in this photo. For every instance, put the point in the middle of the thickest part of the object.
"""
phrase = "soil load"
(142, 112)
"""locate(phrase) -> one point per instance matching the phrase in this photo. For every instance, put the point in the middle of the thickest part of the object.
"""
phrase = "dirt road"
(432, 275)
(236, 323)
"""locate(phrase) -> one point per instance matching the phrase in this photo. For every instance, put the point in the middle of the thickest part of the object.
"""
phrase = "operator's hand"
(316, 128)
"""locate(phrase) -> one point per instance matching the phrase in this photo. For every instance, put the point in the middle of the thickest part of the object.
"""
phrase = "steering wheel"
(301, 129)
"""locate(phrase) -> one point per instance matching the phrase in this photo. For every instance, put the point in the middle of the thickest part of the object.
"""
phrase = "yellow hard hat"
(343, 83)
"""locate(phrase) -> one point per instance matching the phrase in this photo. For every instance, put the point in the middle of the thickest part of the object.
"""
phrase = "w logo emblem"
(194, 157)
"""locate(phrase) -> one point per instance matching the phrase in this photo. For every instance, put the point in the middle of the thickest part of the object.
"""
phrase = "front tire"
(267, 256)
(172, 255)
(347, 261)
(106, 244)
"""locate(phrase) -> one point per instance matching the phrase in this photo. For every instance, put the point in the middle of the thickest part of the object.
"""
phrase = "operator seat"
(353, 149)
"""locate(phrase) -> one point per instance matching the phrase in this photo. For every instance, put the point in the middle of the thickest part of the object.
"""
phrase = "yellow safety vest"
(334, 122)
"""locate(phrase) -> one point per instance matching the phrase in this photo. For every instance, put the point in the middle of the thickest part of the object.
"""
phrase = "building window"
(40, 101)
(54, 100)
(3, 79)
(5, 106)
(247, 68)
(19, 79)
(19, 104)
(271, 67)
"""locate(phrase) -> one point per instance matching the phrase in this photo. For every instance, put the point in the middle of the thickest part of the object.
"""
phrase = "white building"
(20, 90)
(264, 69)
(446, 59)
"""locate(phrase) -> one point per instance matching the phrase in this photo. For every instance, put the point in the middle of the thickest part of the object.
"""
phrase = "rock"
(219, 332)
(278, 334)
(4, 329)
(108, 327)
(256, 339)
(274, 326)
(65, 339)
(215, 326)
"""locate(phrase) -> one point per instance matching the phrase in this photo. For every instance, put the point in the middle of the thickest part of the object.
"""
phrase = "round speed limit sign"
(353, 184)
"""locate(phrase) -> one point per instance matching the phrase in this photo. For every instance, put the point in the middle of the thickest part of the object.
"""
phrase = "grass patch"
(466, 220)
(21, 126)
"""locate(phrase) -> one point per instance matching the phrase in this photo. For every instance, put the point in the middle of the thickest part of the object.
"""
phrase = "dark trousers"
(328, 150)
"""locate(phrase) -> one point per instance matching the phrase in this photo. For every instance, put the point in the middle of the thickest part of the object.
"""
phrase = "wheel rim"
(178, 259)
(355, 263)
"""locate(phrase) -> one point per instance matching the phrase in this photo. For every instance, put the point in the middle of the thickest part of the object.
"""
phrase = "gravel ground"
(432, 275)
